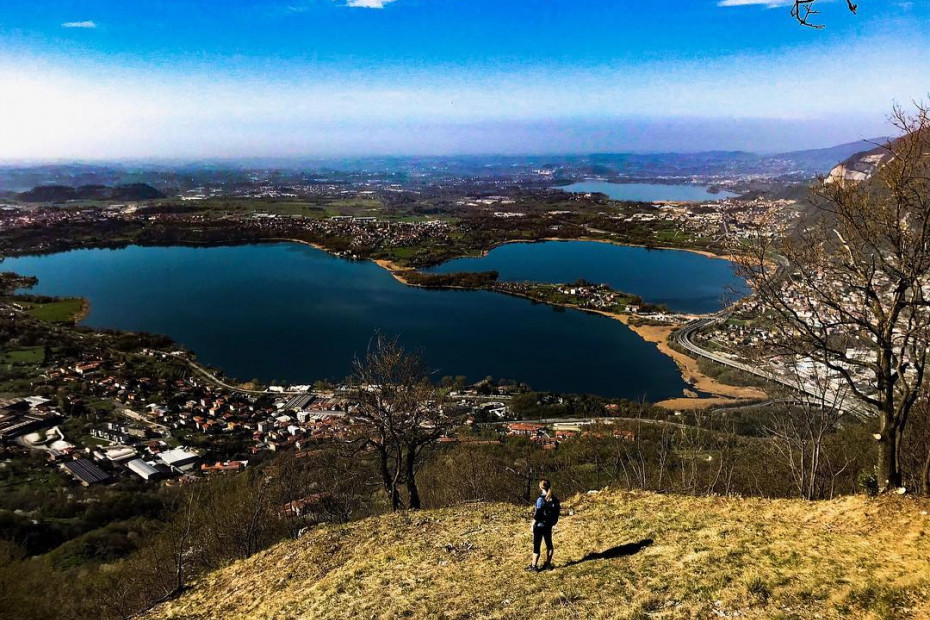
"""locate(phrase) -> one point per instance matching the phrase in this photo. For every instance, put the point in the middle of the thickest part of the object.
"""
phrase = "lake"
(684, 281)
(289, 313)
(647, 192)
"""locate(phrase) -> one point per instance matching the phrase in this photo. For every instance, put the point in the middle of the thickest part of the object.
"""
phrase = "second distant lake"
(647, 192)
(684, 281)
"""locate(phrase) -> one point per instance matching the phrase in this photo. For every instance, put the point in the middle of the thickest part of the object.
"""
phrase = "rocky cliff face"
(860, 167)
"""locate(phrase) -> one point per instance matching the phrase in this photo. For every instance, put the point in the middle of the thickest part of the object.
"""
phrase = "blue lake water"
(647, 192)
(291, 313)
(684, 281)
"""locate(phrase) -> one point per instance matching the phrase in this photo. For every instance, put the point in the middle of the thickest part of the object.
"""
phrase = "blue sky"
(98, 79)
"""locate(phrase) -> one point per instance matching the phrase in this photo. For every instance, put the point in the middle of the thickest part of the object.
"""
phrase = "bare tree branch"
(803, 11)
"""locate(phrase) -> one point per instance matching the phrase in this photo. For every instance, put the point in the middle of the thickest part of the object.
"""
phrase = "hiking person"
(545, 515)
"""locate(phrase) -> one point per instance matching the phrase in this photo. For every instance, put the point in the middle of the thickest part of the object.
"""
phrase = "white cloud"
(84, 24)
(368, 4)
(72, 108)
(303, 7)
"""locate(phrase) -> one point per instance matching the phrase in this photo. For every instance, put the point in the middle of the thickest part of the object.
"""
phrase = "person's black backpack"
(551, 511)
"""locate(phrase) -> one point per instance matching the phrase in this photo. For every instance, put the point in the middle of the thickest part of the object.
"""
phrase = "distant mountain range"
(826, 159)
(91, 179)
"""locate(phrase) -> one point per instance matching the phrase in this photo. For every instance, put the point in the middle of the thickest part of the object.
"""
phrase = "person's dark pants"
(541, 533)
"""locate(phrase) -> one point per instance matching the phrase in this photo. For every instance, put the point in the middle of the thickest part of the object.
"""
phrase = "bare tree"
(176, 546)
(400, 416)
(852, 298)
(800, 428)
(916, 447)
(241, 514)
(804, 12)
(468, 473)
(644, 455)
(326, 484)
(290, 487)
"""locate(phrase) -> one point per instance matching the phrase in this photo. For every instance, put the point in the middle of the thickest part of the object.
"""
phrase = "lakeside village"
(171, 430)
(358, 234)
(744, 331)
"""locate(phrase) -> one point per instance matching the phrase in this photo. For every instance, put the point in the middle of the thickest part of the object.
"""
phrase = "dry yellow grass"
(711, 557)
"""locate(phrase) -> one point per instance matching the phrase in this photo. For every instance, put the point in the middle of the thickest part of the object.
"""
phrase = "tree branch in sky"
(803, 11)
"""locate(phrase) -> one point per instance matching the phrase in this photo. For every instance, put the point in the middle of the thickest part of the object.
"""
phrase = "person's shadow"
(620, 551)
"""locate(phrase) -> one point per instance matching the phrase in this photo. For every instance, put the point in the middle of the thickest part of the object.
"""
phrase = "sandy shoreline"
(656, 334)
(690, 371)
(688, 366)
(84, 312)
(395, 270)
(391, 267)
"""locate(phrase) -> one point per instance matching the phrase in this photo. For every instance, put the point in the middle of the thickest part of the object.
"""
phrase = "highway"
(206, 373)
(683, 338)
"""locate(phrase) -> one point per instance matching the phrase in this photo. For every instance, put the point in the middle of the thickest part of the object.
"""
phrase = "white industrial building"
(144, 470)
(179, 458)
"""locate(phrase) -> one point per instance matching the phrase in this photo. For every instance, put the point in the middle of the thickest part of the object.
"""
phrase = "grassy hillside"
(709, 557)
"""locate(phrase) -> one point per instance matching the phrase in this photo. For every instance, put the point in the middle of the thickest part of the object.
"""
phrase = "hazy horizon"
(104, 81)
(661, 145)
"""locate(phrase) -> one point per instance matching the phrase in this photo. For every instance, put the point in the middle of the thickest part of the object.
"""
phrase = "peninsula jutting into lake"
(682, 281)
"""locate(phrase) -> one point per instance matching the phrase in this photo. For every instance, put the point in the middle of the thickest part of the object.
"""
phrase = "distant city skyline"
(108, 80)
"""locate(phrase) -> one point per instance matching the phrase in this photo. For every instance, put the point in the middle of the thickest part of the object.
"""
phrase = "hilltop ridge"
(860, 166)
(824, 159)
(618, 555)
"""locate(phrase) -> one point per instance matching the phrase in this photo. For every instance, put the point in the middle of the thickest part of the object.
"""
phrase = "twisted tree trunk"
(925, 478)
(412, 491)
